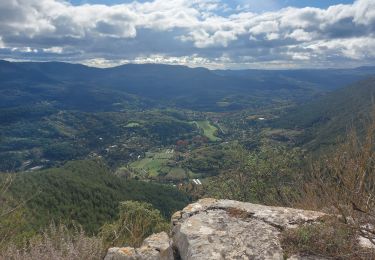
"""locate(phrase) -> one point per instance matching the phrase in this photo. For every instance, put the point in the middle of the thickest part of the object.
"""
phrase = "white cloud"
(301, 35)
(355, 48)
(364, 12)
(191, 61)
(184, 28)
(265, 27)
(24, 50)
(55, 49)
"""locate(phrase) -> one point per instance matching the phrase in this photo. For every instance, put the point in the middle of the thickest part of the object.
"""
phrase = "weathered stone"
(160, 244)
(365, 243)
(176, 217)
(222, 229)
(124, 253)
(155, 247)
(309, 257)
(217, 235)
(225, 229)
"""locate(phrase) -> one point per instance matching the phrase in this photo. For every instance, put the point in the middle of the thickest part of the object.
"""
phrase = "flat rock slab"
(215, 234)
(213, 229)
(225, 229)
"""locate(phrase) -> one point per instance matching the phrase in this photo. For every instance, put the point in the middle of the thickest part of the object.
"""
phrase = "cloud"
(352, 48)
(172, 31)
(192, 61)
(57, 50)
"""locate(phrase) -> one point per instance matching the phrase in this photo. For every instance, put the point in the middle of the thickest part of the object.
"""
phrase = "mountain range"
(74, 86)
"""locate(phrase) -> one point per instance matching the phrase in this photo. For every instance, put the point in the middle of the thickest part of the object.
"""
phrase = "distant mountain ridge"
(196, 88)
(324, 79)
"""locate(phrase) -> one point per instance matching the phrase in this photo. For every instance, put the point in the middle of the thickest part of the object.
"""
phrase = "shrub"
(343, 182)
(331, 238)
(266, 176)
(137, 220)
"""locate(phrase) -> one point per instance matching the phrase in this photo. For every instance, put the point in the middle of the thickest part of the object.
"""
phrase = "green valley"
(76, 151)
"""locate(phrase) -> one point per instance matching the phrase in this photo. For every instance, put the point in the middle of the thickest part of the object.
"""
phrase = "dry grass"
(331, 238)
(343, 183)
(57, 243)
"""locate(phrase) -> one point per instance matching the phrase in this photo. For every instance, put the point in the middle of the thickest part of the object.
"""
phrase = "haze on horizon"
(216, 34)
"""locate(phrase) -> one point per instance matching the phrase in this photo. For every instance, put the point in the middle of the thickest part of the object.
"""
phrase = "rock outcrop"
(221, 229)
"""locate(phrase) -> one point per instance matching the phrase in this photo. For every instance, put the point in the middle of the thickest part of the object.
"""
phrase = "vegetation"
(329, 117)
(344, 180)
(86, 193)
(331, 238)
(153, 164)
(11, 214)
(82, 193)
(136, 221)
(208, 129)
(110, 154)
(267, 176)
(57, 242)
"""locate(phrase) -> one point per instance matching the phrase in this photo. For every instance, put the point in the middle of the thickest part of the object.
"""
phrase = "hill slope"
(85, 192)
(330, 116)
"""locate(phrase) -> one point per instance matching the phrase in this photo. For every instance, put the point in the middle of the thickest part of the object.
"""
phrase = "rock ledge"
(221, 229)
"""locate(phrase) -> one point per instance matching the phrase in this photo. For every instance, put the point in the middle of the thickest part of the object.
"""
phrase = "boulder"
(225, 229)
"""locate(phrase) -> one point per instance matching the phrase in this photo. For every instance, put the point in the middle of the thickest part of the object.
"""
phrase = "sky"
(270, 5)
(217, 34)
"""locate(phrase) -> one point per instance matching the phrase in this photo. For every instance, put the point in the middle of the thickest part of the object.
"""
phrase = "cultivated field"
(208, 129)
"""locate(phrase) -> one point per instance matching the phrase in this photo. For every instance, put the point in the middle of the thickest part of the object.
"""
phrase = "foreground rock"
(222, 229)
(155, 247)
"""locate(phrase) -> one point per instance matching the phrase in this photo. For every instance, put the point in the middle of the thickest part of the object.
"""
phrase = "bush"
(137, 220)
(343, 182)
(331, 238)
(265, 176)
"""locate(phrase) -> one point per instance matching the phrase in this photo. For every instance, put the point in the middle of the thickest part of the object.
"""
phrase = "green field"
(208, 129)
(156, 164)
(132, 125)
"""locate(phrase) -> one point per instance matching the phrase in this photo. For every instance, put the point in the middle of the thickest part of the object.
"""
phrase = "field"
(158, 164)
(208, 129)
(132, 125)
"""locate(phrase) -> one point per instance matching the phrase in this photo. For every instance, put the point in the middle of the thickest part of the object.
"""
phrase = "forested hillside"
(84, 193)
(324, 120)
